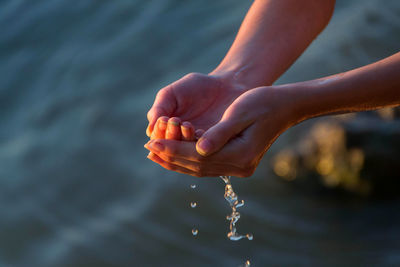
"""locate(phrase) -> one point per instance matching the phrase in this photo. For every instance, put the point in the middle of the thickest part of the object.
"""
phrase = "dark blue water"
(77, 79)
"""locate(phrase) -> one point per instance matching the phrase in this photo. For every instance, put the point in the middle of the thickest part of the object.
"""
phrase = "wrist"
(228, 79)
(307, 99)
(244, 76)
(297, 104)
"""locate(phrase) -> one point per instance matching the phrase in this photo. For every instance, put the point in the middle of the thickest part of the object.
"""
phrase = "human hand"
(173, 128)
(198, 98)
(245, 132)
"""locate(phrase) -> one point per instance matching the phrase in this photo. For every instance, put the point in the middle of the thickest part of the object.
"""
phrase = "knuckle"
(164, 90)
(160, 93)
(193, 75)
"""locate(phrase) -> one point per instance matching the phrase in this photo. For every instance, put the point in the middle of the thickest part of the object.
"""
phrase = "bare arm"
(370, 87)
(272, 36)
(235, 145)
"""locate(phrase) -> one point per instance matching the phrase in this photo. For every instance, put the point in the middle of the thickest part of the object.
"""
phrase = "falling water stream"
(234, 202)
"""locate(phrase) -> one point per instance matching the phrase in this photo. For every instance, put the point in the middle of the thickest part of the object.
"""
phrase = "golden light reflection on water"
(325, 165)
(356, 159)
(323, 151)
(387, 114)
(285, 165)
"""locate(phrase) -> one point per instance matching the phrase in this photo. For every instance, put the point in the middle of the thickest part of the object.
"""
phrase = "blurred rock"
(353, 154)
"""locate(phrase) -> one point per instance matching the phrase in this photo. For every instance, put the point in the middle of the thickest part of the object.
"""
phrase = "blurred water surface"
(75, 187)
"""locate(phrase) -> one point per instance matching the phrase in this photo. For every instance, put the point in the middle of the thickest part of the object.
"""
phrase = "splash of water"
(195, 231)
(233, 201)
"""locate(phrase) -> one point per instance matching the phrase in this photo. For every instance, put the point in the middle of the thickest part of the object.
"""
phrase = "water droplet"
(247, 264)
(195, 231)
(193, 204)
(193, 186)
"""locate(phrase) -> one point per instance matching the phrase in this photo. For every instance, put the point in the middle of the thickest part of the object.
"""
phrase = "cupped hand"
(234, 145)
(198, 98)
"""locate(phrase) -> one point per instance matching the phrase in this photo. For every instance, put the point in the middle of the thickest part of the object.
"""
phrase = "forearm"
(370, 87)
(272, 36)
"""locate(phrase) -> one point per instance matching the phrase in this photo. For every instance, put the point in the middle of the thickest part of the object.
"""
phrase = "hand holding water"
(234, 145)
(198, 98)
(241, 123)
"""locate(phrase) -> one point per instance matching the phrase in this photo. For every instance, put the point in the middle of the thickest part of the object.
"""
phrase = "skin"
(258, 56)
(255, 119)
(171, 129)
(241, 114)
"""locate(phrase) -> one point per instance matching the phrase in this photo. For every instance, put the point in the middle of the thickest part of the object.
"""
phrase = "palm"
(202, 100)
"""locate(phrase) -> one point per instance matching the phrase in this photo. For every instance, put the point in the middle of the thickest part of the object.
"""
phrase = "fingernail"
(204, 146)
(157, 146)
(186, 125)
(174, 123)
(164, 119)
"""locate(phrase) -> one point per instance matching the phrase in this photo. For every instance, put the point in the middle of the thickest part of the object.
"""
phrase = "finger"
(203, 168)
(236, 155)
(173, 148)
(155, 113)
(198, 133)
(160, 128)
(187, 130)
(164, 105)
(173, 129)
(169, 166)
(218, 135)
(187, 150)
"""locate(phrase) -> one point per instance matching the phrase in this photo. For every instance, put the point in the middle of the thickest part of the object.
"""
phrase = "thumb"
(218, 135)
